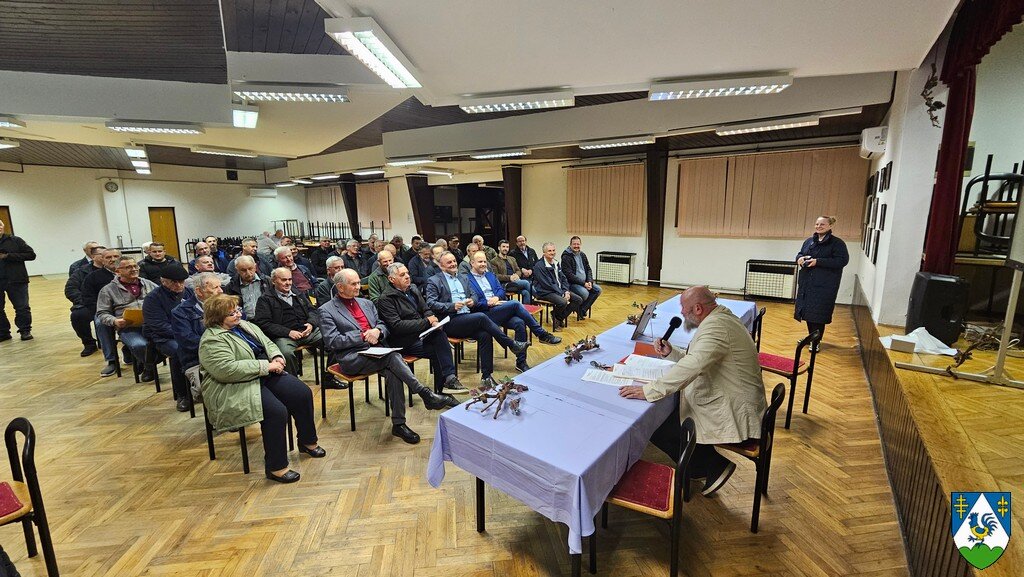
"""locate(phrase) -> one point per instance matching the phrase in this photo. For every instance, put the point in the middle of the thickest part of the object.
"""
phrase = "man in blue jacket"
(187, 319)
(156, 327)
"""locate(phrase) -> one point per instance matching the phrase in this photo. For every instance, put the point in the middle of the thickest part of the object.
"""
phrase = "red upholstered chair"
(655, 489)
(755, 332)
(792, 368)
(24, 487)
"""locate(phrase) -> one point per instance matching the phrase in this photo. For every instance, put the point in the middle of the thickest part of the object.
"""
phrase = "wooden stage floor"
(130, 490)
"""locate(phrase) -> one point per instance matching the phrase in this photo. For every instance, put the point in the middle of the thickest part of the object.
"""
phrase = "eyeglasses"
(237, 312)
(130, 266)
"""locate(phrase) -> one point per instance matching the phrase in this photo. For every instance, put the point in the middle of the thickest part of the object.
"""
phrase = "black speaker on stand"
(938, 302)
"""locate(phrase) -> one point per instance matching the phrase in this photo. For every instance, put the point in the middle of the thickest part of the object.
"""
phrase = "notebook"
(133, 316)
(9, 503)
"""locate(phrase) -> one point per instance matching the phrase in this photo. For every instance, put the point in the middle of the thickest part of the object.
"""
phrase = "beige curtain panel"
(373, 204)
(607, 200)
(324, 204)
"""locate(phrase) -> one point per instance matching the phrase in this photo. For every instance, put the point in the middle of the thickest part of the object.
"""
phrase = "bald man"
(721, 384)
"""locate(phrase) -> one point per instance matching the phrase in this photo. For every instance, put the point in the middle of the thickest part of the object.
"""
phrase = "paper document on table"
(379, 351)
(645, 362)
(605, 378)
(638, 373)
(443, 322)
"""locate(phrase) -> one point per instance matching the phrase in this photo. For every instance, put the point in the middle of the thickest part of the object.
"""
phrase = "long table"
(572, 441)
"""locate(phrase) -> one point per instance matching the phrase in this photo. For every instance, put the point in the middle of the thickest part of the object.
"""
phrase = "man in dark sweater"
(156, 327)
(318, 256)
(81, 317)
(14, 283)
(152, 266)
(91, 287)
(287, 318)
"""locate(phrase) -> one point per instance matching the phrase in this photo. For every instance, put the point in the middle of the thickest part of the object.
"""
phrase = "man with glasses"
(156, 327)
(287, 318)
(126, 291)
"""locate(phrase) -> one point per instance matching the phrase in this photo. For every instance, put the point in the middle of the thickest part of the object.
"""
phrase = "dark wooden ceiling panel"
(277, 26)
(177, 40)
(41, 152)
(185, 157)
(414, 114)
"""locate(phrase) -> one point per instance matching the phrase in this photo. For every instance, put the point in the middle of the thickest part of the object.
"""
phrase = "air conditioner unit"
(872, 141)
(262, 193)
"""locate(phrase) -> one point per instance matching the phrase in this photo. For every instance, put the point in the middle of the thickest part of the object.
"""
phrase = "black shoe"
(405, 433)
(88, 350)
(316, 453)
(183, 405)
(333, 383)
(580, 316)
(550, 339)
(518, 347)
(453, 386)
(127, 357)
(289, 477)
(148, 375)
(26, 336)
(5, 337)
(109, 370)
(436, 401)
(715, 482)
(522, 367)
(556, 325)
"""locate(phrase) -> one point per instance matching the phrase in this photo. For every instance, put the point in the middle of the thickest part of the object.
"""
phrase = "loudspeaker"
(232, 175)
(938, 303)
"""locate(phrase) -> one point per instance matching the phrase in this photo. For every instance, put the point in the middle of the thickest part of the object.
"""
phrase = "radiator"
(771, 278)
(614, 267)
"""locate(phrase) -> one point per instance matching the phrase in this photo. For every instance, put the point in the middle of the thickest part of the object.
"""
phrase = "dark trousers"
(438, 351)
(180, 386)
(561, 308)
(81, 321)
(668, 438)
(397, 376)
(512, 315)
(481, 328)
(586, 296)
(18, 293)
(281, 395)
(811, 327)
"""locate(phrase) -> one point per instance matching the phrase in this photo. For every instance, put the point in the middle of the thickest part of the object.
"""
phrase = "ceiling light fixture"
(437, 171)
(134, 151)
(260, 92)
(10, 122)
(510, 102)
(368, 172)
(143, 171)
(154, 127)
(8, 143)
(244, 115)
(302, 181)
(140, 163)
(507, 153)
(224, 151)
(285, 184)
(718, 87)
(780, 124)
(364, 39)
(409, 161)
(617, 142)
(325, 176)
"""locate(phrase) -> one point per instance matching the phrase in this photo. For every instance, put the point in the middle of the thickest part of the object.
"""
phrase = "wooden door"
(5, 217)
(164, 229)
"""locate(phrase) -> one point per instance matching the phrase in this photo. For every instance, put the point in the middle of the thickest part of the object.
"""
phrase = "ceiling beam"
(300, 68)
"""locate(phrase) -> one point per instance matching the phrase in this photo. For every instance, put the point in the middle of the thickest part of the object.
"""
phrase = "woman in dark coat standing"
(821, 260)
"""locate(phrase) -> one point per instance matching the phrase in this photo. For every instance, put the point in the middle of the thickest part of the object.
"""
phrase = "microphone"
(672, 326)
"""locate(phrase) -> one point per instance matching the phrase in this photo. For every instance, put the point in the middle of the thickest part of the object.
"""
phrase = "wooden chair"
(25, 486)
(792, 368)
(459, 352)
(545, 312)
(241, 440)
(755, 332)
(335, 370)
(655, 489)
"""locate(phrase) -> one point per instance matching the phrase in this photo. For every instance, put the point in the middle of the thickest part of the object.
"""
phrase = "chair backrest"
(687, 444)
(800, 346)
(768, 419)
(23, 469)
(755, 331)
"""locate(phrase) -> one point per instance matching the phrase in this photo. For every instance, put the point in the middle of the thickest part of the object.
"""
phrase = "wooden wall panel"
(608, 200)
(372, 201)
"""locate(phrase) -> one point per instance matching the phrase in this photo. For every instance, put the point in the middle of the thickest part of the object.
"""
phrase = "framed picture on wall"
(874, 247)
(873, 220)
(881, 218)
(870, 189)
(881, 180)
(888, 175)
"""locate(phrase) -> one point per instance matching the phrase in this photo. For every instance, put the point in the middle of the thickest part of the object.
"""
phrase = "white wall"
(998, 125)
(402, 222)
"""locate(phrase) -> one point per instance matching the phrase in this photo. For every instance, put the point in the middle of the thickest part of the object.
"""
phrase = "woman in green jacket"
(246, 383)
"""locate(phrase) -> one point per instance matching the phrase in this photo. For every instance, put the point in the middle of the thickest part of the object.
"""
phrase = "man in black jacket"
(405, 312)
(287, 318)
(86, 261)
(156, 327)
(151, 266)
(577, 271)
(525, 256)
(14, 283)
(318, 256)
(91, 287)
(550, 284)
(81, 317)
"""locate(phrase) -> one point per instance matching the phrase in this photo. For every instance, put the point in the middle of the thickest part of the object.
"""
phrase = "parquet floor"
(130, 490)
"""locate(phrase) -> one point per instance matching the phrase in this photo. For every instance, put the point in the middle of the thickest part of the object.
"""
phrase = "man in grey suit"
(349, 325)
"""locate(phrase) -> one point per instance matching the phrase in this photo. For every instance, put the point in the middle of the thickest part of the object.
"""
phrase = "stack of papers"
(378, 351)
(640, 368)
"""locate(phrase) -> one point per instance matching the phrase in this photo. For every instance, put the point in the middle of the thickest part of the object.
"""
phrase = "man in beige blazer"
(721, 385)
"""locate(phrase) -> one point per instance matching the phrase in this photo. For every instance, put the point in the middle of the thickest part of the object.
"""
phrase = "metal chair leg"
(245, 450)
(789, 406)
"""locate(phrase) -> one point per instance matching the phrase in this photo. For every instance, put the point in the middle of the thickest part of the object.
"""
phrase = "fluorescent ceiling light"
(260, 92)
(302, 181)
(364, 39)
(508, 102)
(8, 143)
(718, 87)
(143, 171)
(10, 122)
(140, 163)
(244, 115)
(135, 151)
(154, 127)
(617, 142)
(224, 151)
(508, 153)
(325, 177)
(367, 172)
(409, 161)
(780, 124)
(284, 184)
(437, 171)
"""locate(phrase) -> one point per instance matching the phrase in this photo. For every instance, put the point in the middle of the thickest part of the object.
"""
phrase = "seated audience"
(354, 257)
(249, 249)
(303, 279)
(87, 260)
(368, 250)
(205, 264)
(248, 284)
(241, 364)
(318, 256)
(490, 252)
(187, 320)
(268, 242)
(91, 287)
(288, 318)
(126, 291)
(152, 266)
(525, 256)
(377, 282)
(300, 258)
(220, 257)
(325, 290)
(202, 249)
(422, 266)
(351, 324)
(441, 243)
(405, 312)
(550, 284)
(576, 268)
(721, 384)
(453, 247)
(466, 266)
(449, 295)
(81, 315)
(509, 274)
(156, 327)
